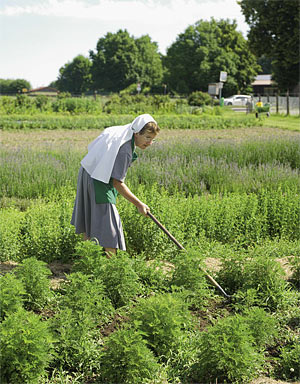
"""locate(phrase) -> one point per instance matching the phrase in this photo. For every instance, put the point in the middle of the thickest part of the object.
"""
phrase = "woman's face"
(143, 141)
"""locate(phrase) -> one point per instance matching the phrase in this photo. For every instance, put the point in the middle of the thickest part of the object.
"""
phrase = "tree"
(121, 60)
(13, 86)
(198, 55)
(274, 32)
(75, 76)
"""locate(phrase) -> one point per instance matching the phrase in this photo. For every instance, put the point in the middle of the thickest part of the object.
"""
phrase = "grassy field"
(230, 196)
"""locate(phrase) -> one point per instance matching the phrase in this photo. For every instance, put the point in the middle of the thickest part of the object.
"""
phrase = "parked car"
(237, 100)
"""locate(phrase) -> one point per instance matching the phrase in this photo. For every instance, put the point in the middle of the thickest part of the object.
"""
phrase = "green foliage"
(199, 53)
(26, 348)
(77, 341)
(83, 293)
(120, 60)
(188, 274)
(256, 280)
(121, 282)
(13, 86)
(120, 279)
(162, 319)
(47, 233)
(198, 99)
(227, 352)
(11, 294)
(289, 362)
(285, 57)
(10, 225)
(127, 359)
(34, 274)
(75, 76)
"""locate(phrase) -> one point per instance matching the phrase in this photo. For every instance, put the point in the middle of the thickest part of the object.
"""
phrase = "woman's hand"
(143, 209)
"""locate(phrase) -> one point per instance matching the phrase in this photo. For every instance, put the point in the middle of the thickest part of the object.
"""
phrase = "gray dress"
(101, 221)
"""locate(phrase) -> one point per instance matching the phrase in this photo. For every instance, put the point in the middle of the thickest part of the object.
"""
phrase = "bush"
(256, 280)
(199, 99)
(82, 293)
(12, 294)
(77, 341)
(162, 319)
(289, 362)
(10, 226)
(47, 233)
(127, 359)
(227, 353)
(121, 282)
(34, 274)
(189, 275)
(26, 348)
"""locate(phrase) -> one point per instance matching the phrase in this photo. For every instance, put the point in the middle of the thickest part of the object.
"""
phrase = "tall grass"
(197, 167)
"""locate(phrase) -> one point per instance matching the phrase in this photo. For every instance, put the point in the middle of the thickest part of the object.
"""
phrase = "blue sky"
(37, 37)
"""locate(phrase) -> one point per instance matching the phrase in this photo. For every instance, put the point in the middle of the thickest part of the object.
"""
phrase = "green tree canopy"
(120, 60)
(198, 55)
(75, 76)
(274, 32)
(13, 86)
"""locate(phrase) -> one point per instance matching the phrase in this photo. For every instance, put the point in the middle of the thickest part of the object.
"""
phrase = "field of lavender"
(230, 196)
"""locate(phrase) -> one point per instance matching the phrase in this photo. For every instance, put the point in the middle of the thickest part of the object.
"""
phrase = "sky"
(38, 37)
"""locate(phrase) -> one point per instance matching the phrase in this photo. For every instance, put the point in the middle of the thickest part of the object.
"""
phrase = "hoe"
(210, 278)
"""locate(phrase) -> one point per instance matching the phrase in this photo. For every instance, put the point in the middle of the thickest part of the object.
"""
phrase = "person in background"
(101, 177)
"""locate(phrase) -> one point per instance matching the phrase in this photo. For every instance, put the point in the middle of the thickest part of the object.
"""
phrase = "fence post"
(277, 103)
(287, 102)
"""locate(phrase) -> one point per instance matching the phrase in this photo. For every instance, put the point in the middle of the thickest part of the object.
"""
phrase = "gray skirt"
(101, 221)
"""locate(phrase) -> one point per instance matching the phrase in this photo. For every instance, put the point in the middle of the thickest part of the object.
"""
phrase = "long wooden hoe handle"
(180, 246)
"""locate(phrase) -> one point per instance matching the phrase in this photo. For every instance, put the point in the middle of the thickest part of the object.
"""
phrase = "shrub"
(227, 353)
(199, 99)
(256, 280)
(289, 362)
(47, 233)
(34, 274)
(117, 273)
(77, 341)
(11, 294)
(10, 225)
(189, 275)
(127, 359)
(162, 319)
(82, 293)
(26, 348)
(121, 281)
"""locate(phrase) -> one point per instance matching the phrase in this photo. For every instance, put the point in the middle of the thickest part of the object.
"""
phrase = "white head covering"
(102, 152)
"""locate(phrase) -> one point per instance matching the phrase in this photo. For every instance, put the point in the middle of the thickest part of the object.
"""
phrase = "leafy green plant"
(199, 99)
(47, 233)
(226, 352)
(289, 362)
(127, 359)
(34, 275)
(162, 319)
(122, 283)
(188, 274)
(11, 294)
(77, 341)
(10, 226)
(26, 348)
(120, 279)
(82, 293)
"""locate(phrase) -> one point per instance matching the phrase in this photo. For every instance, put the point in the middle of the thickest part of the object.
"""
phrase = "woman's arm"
(125, 192)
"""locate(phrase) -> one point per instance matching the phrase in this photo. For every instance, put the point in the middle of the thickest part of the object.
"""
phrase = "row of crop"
(205, 121)
(192, 168)
(125, 320)
(44, 229)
